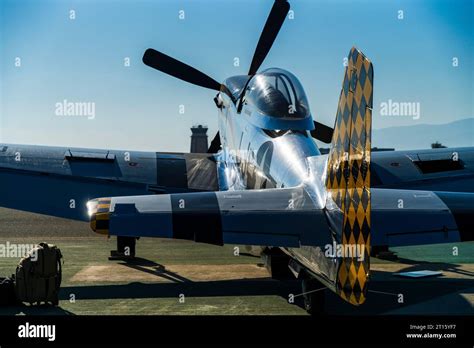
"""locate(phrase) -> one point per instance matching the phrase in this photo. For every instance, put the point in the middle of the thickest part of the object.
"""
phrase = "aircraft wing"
(282, 217)
(410, 217)
(446, 169)
(272, 217)
(290, 218)
(59, 181)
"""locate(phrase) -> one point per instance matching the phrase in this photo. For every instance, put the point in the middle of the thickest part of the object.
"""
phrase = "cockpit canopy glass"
(236, 84)
(277, 93)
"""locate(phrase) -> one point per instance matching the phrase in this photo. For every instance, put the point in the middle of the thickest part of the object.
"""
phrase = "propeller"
(180, 70)
(269, 33)
(322, 132)
(215, 144)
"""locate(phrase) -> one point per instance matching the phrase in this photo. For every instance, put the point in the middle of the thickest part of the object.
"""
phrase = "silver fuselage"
(251, 158)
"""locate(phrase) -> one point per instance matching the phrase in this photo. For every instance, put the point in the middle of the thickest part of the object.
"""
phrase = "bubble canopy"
(272, 99)
(277, 93)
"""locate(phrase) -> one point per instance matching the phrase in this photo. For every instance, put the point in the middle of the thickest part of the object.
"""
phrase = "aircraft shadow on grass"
(382, 299)
(385, 288)
(141, 264)
(34, 310)
(383, 295)
(434, 266)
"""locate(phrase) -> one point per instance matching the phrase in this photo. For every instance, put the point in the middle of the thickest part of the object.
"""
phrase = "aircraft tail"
(348, 177)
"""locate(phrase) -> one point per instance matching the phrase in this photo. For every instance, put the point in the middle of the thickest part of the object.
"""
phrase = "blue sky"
(82, 60)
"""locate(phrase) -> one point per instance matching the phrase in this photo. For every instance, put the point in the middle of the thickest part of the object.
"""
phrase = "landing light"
(92, 207)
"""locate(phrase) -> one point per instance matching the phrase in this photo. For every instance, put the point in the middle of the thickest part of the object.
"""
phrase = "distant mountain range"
(454, 134)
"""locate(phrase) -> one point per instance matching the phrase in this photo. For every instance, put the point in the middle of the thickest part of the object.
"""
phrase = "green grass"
(442, 253)
(81, 248)
(80, 252)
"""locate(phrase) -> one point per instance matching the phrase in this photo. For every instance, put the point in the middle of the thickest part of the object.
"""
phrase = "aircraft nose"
(99, 215)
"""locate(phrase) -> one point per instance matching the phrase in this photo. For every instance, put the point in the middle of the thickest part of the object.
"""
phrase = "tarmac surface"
(172, 277)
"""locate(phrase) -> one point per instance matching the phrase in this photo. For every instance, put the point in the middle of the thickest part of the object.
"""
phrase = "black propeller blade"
(322, 132)
(173, 67)
(215, 144)
(269, 33)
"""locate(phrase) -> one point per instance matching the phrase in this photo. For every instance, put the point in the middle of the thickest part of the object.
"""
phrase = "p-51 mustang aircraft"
(264, 181)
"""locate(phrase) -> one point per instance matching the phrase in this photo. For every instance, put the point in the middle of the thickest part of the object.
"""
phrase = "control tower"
(199, 139)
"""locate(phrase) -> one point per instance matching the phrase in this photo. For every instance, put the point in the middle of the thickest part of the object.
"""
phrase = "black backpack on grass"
(38, 275)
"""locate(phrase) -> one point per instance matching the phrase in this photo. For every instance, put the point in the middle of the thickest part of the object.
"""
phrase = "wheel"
(313, 296)
(276, 263)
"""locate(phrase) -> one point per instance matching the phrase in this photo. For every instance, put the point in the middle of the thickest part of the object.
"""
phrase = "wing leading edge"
(58, 181)
(285, 218)
(273, 217)
(409, 217)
